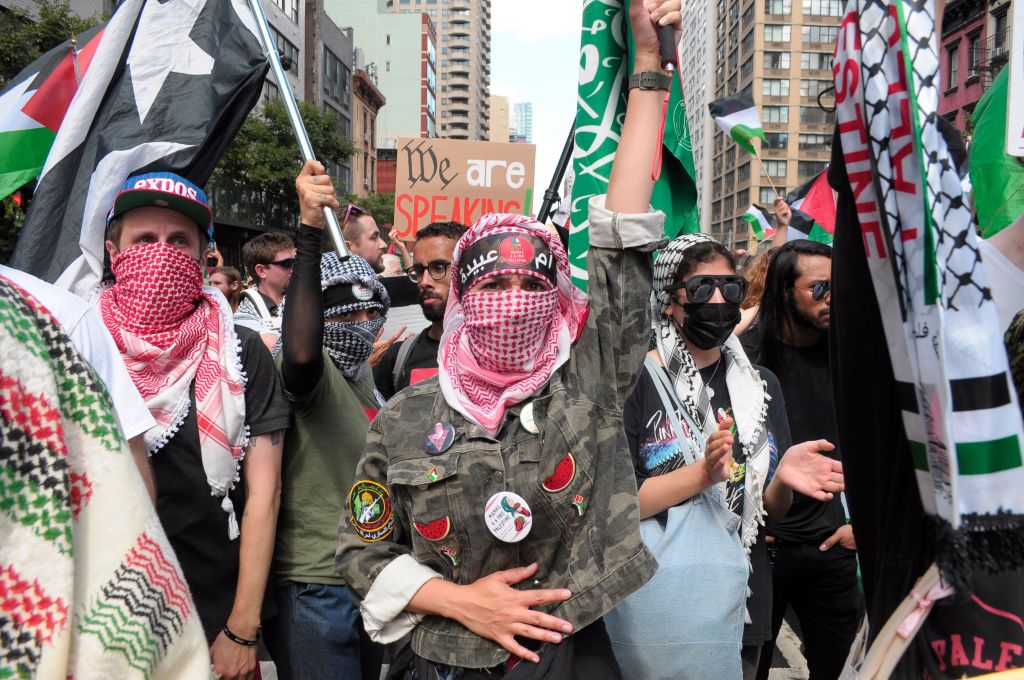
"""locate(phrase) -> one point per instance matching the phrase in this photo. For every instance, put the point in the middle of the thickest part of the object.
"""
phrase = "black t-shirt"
(806, 382)
(422, 357)
(193, 519)
(964, 633)
(402, 291)
(655, 450)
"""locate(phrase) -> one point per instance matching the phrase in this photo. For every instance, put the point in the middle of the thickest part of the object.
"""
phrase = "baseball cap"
(163, 190)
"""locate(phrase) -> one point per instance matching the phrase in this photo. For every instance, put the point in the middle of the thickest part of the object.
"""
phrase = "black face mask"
(709, 324)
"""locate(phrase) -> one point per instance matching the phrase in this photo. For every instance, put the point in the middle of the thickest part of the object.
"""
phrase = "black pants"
(821, 587)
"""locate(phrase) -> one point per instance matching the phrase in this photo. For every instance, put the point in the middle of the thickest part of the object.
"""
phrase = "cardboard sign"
(441, 180)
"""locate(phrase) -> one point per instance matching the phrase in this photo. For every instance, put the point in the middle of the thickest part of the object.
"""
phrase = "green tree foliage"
(22, 40)
(254, 182)
(378, 204)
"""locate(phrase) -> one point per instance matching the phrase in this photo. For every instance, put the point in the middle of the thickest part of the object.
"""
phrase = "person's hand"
(399, 243)
(315, 192)
(843, 536)
(232, 661)
(382, 346)
(783, 215)
(645, 16)
(718, 452)
(493, 609)
(805, 470)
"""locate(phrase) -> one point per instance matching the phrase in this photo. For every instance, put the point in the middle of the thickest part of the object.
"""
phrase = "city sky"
(537, 61)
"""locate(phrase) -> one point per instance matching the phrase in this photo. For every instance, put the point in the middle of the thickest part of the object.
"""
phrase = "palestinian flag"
(997, 178)
(32, 107)
(814, 209)
(606, 56)
(738, 117)
(169, 86)
(760, 221)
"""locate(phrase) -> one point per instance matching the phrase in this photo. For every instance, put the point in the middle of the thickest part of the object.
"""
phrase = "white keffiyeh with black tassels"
(747, 393)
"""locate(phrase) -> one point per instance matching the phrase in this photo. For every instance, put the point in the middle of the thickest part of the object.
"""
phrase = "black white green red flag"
(169, 85)
(959, 407)
(760, 220)
(738, 118)
(813, 205)
(33, 105)
(605, 63)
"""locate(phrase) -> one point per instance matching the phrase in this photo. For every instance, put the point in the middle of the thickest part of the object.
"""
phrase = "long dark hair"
(773, 316)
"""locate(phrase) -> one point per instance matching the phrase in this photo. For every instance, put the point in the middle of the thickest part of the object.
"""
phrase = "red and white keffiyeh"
(499, 348)
(172, 333)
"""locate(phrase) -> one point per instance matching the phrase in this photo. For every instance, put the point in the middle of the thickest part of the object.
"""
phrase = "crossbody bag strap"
(404, 351)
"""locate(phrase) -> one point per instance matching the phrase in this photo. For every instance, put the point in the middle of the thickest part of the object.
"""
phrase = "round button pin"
(508, 517)
(526, 419)
(439, 438)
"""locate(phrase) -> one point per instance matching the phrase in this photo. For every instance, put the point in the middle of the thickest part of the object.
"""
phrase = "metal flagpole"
(270, 48)
(73, 50)
(777, 194)
(551, 195)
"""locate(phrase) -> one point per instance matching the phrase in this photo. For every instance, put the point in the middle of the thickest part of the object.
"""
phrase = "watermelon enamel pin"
(434, 531)
(508, 517)
(562, 476)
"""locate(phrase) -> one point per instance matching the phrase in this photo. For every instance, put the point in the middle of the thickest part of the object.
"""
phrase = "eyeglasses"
(286, 263)
(699, 289)
(819, 290)
(352, 210)
(437, 269)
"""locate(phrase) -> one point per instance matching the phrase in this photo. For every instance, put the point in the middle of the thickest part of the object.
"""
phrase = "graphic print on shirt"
(660, 450)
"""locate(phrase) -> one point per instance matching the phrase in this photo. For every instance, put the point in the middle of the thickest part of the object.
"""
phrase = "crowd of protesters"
(640, 481)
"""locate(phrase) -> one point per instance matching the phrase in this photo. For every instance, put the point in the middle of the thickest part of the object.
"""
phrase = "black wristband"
(241, 640)
(650, 80)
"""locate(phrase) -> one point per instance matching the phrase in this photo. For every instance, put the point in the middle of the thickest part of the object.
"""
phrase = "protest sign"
(440, 180)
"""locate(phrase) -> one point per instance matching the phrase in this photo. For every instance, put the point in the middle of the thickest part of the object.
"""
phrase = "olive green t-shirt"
(324, 443)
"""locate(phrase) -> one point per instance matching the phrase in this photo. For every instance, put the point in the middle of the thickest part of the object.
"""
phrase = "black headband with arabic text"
(502, 251)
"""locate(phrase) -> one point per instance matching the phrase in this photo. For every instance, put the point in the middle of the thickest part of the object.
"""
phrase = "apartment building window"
(290, 9)
(747, 68)
(973, 57)
(812, 142)
(812, 88)
(748, 41)
(716, 210)
(775, 114)
(716, 187)
(287, 50)
(743, 172)
(774, 168)
(820, 34)
(999, 35)
(742, 197)
(815, 61)
(953, 70)
(778, 32)
(813, 115)
(336, 78)
(748, 15)
(767, 195)
(810, 168)
(775, 87)
(778, 60)
(778, 6)
(777, 140)
(727, 205)
(823, 8)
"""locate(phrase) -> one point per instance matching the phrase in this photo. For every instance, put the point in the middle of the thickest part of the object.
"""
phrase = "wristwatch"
(650, 80)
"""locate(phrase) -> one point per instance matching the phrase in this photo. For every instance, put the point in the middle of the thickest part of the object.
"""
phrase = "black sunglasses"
(699, 289)
(286, 263)
(437, 270)
(819, 290)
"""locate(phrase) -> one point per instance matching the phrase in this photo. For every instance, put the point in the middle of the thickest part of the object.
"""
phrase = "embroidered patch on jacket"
(434, 531)
(562, 476)
(371, 514)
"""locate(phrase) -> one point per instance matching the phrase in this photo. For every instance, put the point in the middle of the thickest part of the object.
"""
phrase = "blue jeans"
(317, 633)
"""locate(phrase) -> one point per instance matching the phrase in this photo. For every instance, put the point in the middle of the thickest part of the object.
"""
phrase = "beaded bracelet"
(241, 640)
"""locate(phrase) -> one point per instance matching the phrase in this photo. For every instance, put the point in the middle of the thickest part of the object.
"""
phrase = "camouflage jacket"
(429, 509)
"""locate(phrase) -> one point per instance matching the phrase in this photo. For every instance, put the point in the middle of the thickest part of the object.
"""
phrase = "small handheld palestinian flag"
(738, 117)
(760, 221)
(814, 209)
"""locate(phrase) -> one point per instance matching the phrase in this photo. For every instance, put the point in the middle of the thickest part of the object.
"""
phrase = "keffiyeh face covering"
(500, 347)
(348, 287)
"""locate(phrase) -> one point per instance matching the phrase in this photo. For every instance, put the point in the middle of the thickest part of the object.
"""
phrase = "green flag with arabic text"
(605, 64)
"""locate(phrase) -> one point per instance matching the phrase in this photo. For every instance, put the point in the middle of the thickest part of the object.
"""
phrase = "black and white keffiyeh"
(959, 408)
(349, 286)
(747, 393)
